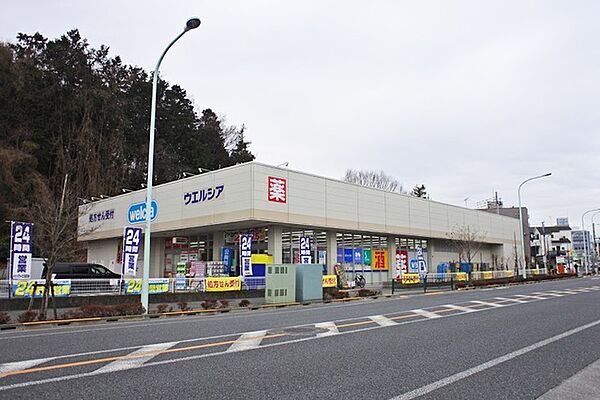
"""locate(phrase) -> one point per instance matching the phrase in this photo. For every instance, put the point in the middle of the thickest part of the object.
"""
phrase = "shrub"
(161, 308)
(95, 310)
(368, 292)
(224, 304)
(183, 306)
(128, 309)
(208, 304)
(4, 318)
(27, 316)
(244, 303)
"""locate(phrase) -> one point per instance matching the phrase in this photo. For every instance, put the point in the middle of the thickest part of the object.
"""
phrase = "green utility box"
(280, 283)
(309, 282)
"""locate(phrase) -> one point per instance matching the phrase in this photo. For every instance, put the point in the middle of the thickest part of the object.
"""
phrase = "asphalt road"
(518, 342)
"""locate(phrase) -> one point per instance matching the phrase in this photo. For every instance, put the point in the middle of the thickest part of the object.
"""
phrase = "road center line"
(513, 300)
(148, 352)
(247, 341)
(382, 321)
(525, 296)
(487, 303)
(19, 365)
(426, 314)
(330, 326)
(459, 308)
(492, 363)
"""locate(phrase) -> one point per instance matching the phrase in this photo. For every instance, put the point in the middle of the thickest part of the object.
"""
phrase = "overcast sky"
(467, 97)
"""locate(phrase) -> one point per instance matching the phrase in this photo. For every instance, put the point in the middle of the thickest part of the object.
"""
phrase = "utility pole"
(544, 253)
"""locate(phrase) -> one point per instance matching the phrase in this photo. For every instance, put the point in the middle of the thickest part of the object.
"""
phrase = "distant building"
(579, 239)
(513, 212)
(554, 242)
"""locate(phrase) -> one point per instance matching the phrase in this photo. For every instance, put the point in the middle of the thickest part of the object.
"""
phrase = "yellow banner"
(379, 260)
(488, 275)
(226, 284)
(329, 280)
(510, 274)
(410, 279)
(462, 276)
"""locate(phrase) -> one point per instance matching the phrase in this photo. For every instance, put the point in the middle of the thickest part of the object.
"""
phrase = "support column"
(275, 247)
(157, 257)
(391, 249)
(331, 251)
(218, 243)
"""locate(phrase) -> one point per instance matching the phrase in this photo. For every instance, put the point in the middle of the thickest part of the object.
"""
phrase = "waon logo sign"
(277, 189)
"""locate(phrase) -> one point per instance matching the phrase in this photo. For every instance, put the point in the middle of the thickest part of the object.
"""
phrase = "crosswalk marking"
(513, 300)
(525, 296)
(562, 292)
(21, 365)
(426, 314)
(459, 308)
(549, 294)
(247, 341)
(382, 321)
(128, 363)
(330, 326)
(486, 303)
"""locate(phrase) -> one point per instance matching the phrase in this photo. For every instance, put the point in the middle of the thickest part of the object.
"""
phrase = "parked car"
(81, 271)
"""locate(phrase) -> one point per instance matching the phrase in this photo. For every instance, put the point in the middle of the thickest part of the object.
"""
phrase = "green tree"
(419, 191)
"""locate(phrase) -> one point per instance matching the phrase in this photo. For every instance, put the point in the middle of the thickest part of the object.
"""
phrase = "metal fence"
(93, 287)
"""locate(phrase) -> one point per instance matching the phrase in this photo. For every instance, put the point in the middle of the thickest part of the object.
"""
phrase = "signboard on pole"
(246, 254)
(421, 262)
(20, 249)
(132, 238)
(401, 265)
(305, 250)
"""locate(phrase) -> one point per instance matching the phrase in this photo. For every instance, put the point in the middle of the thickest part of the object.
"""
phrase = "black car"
(81, 271)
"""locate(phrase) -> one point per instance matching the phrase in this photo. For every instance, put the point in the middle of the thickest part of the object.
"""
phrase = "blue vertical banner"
(246, 254)
(358, 255)
(421, 262)
(227, 257)
(348, 256)
(20, 249)
(132, 239)
(305, 250)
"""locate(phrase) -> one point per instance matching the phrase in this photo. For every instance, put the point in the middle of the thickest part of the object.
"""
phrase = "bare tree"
(374, 179)
(55, 233)
(467, 242)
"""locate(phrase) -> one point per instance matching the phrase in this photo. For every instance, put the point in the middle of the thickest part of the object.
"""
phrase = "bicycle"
(359, 280)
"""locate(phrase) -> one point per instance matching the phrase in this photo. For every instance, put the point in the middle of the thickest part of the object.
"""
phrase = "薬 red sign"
(277, 189)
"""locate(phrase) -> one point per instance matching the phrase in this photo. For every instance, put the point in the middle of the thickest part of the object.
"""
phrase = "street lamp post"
(524, 271)
(585, 241)
(192, 23)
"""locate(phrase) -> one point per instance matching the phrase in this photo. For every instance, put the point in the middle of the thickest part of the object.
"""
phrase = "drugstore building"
(374, 232)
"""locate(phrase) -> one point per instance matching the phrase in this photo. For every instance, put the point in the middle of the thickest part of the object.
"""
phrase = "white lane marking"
(581, 290)
(330, 326)
(459, 308)
(426, 314)
(562, 291)
(382, 321)
(489, 364)
(128, 363)
(20, 365)
(487, 303)
(525, 296)
(582, 385)
(549, 294)
(513, 300)
(247, 341)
